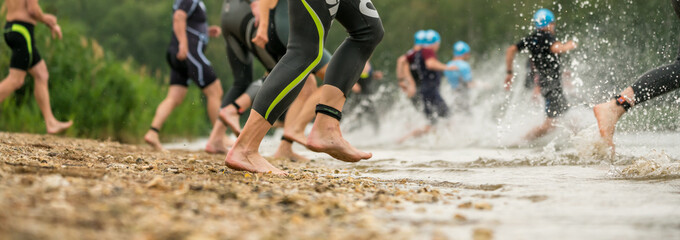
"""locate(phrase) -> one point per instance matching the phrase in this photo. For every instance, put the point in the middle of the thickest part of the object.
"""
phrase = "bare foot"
(230, 118)
(251, 161)
(152, 139)
(326, 137)
(607, 114)
(297, 137)
(218, 146)
(285, 151)
(58, 127)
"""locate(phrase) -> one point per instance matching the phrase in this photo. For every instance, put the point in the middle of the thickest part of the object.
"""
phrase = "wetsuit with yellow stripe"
(19, 37)
(238, 28)
(310, 21)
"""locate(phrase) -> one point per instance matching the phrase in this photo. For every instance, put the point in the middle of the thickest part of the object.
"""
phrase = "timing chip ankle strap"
(623, 102)
(328, 110)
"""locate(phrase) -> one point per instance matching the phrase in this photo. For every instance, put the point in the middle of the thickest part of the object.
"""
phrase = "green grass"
(105, 97)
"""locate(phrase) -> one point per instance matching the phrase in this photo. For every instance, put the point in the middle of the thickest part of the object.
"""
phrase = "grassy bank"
(105, 97)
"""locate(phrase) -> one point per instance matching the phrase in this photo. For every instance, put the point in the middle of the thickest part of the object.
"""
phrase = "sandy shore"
(63, 188)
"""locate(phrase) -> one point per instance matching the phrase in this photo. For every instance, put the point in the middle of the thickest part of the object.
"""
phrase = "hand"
(261, 39)
(56, 32)
(508, 81)
(571, 45)
(410, 91)
(214, 31)
(183, 51)
(356, 88)
(377, 75)
(49, 20)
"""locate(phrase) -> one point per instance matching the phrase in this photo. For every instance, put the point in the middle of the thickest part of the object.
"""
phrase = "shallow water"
(536, 193)
(561, 186)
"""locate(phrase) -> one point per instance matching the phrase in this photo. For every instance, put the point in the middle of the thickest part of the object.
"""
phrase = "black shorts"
(19, 37)
(196, 67)
(555, 103)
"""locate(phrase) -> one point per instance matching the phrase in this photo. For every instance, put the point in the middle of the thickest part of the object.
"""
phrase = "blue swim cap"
(432, 37)
(543, 17)
(419, 37)
(460, 48)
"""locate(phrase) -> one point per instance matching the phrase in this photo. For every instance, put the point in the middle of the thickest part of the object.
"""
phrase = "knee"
(371, 35)
(173, 101)
(377, 34)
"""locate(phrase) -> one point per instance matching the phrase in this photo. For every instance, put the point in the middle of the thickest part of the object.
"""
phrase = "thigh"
(358, 16)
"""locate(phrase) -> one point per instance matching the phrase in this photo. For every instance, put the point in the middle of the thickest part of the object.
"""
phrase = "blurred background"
(109, 72)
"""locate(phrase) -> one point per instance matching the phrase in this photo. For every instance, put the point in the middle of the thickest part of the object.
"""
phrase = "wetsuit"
(238, 28)
(547, 65)
(19, 37)
(196, 66)
(427, 85)
(660, 80)
(310, 21)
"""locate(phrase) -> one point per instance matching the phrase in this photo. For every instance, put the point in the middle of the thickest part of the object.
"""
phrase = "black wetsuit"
(196, 66)
(19, 37)
(427, 85)
(547, 65)
(238, 28)
(660, 80)
(310, 21)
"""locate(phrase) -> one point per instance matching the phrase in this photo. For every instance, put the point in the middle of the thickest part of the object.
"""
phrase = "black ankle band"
(238, 108)
(284, 138)
(155, 129)
(621, 101)
(328, 110)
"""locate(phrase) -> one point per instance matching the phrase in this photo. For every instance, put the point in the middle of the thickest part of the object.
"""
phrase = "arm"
(509, 58)
(48, 19)
(406, 82)
(559, 47)
(436, 65)
(262, 38)
(179, 27)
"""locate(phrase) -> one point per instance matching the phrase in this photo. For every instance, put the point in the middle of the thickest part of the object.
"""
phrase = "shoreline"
(64, 188)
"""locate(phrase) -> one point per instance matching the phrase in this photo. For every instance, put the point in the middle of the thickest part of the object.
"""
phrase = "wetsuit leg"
(434, 105)
(657, 82)
(309, 21)
(241, 63)
(254, 88)
(361, 20)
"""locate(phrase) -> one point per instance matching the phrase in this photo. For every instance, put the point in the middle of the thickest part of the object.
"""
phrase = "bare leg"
(218, 143)
(285, 149)
(541, 130)
(415, 133)
(244, 155)
(42, 96)
(213, 94)
(175, 97)
(296, 132)
(11, 83)
(608, 114)
(230, 116)
(326, 136)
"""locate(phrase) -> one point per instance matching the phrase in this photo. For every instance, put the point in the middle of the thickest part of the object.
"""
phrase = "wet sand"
(63, 188)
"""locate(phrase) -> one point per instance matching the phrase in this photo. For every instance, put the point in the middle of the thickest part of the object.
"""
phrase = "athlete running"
(22, 15)
(428, 70)
(406, 79)
(650, 85)
(545, 53)
(309, 24)
(461, 79)
(240, 24)
(185, 57)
